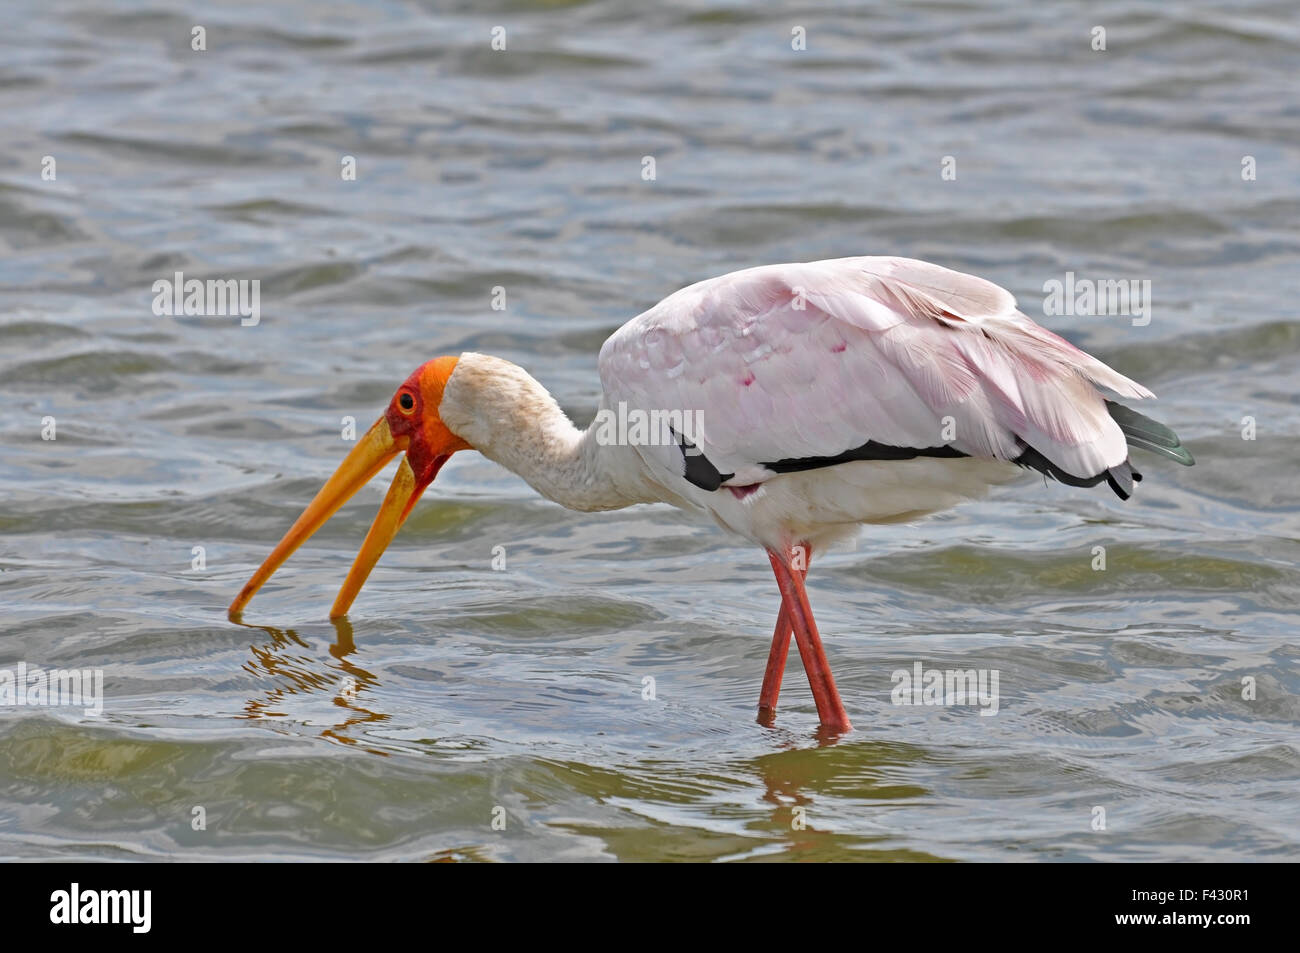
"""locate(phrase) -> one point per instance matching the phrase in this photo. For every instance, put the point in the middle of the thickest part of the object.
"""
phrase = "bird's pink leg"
(775, 667)
(776, 657)
(830, 710)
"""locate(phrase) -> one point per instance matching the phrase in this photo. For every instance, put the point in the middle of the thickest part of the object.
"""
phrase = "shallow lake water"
(1159, 691)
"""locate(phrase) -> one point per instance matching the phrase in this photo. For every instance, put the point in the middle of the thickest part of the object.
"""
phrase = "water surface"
(458, 693)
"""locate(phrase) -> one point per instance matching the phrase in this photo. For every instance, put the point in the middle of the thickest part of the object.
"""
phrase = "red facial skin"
(429, 443)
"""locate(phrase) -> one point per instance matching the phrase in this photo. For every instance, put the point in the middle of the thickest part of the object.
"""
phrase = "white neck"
(513, 420)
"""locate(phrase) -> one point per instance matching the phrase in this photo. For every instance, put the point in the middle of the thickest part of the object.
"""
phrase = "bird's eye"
(406, 402)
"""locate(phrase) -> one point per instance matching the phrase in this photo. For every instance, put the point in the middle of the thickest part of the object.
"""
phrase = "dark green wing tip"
(1179, 453)
(1143, 432)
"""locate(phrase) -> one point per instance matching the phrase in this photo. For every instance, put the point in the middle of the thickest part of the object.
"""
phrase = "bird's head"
(411, 424)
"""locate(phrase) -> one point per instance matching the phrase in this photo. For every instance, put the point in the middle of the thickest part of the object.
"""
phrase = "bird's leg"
(776, 657)
(775, 668)
(830, 710)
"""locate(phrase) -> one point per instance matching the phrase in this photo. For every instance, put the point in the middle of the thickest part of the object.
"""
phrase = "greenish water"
(458, 693)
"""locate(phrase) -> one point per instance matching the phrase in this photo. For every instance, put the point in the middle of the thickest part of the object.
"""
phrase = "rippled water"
(458, 691)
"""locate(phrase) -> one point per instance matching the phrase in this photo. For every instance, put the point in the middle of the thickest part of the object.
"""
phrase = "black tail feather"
(1139, 431)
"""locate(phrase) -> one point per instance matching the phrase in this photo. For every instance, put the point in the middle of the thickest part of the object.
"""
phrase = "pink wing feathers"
(806, 362)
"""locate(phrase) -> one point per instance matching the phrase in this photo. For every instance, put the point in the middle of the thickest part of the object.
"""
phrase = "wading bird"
(822, 395)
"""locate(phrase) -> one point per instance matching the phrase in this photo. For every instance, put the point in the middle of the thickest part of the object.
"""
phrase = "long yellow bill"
(372, 452)
(402, 494)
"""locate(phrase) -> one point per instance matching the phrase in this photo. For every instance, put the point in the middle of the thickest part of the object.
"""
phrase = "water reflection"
(296, 669)
(809, 789)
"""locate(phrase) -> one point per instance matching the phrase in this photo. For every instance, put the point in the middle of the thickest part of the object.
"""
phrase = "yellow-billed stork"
(791, 403)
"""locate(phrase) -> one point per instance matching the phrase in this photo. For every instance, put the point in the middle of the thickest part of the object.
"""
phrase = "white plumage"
(801, 361)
